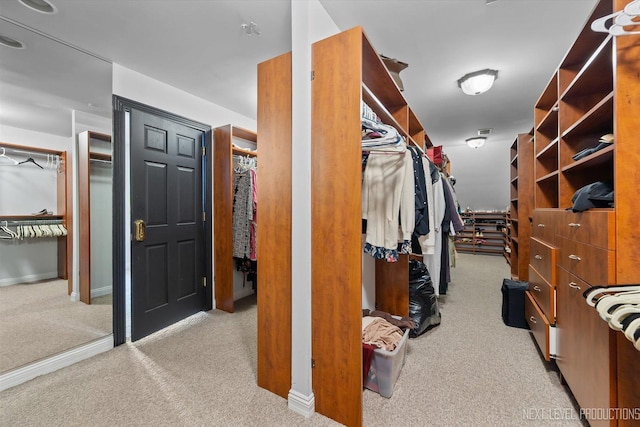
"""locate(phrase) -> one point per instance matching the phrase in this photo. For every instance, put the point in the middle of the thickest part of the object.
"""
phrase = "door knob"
(140, 230)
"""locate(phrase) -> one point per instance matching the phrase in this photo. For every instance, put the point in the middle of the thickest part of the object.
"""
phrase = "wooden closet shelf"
(588, 79)
(551, 147)
(99, 156)
(597, 117)
(244, 152)
(598, 158)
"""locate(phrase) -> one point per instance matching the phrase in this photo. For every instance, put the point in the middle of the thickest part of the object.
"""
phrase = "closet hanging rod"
(9, 222)
(29, 153)
(15, 148)
(29, 217)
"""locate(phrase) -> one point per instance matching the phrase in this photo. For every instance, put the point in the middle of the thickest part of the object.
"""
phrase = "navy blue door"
(167, 253)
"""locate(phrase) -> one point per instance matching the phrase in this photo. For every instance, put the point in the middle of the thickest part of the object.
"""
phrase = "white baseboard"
(28, 279)
(301, 404)
(100, 292)
(53, 363)
(74, 296)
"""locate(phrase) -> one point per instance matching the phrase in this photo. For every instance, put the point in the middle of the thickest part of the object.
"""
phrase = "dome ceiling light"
(9, 42)
(476, 141)
(42, 6)
(478, 82)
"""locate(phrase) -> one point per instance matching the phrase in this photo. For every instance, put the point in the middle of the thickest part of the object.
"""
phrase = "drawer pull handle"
(541, 225)
(533, 319)
(574, 286)
(538, 257)
(537, 288)
(575, 257)
(573, 224)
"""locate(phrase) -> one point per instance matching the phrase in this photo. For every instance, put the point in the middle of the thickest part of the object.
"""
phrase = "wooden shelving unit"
(64, 208)
(484, 233)
(595, 91)
(520, 205)
(223, 150)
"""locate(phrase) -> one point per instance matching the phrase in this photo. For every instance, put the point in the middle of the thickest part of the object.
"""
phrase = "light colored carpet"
(38, 320)
(469, 371)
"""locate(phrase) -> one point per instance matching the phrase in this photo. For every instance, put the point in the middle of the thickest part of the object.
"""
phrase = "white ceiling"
(200, 47)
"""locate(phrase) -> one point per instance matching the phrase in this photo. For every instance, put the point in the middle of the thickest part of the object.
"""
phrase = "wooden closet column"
(274, 225)
(84, 207)
(346, 71)
(336, 212)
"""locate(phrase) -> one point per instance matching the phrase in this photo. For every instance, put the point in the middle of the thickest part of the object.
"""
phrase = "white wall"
(309, 23)
(138, 87)
(25, 190)
(477, 172)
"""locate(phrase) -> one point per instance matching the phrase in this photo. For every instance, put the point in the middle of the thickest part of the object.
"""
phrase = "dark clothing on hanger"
(422, 217)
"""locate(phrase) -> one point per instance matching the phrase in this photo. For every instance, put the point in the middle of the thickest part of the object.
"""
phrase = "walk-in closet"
(320, 212)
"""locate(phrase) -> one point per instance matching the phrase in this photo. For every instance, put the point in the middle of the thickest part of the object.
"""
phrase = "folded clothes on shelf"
(604, 142)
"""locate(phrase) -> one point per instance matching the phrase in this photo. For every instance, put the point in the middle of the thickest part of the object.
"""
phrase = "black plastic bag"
(423, 302)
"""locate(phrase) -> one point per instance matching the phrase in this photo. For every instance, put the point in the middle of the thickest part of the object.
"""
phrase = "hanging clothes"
(420, 189)
(432, 258)
(244, 207)
(427, 242)
(253, 244)
(388, 204)
(242, 215)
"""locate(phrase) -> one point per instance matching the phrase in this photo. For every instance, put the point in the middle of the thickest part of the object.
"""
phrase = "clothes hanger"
(4, 155)
(30, 160)
(621, 19)
(631, 329)
(606, 303)
(5, 228)
(622, 313)
(596, 291)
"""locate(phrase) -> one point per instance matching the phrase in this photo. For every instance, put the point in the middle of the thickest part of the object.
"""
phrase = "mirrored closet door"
(51, 93)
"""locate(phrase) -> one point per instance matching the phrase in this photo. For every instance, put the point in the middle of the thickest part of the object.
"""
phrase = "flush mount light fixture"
(476, 141)
(9, 42)
(42, 6)
(478, 82)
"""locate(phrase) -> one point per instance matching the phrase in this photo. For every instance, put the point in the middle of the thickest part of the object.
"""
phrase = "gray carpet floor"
(471, 370)
(38, 320)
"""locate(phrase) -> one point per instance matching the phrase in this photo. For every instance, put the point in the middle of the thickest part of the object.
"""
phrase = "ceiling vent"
(484, 132)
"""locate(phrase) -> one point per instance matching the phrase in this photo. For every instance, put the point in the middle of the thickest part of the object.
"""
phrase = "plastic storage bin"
(386, 367)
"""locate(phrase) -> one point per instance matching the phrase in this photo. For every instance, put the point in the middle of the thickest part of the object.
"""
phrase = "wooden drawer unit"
(542, 226)
(586, 347)
(542, 257)
(594, 265)
(539, 325)
(543, 293)
(593, 227)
